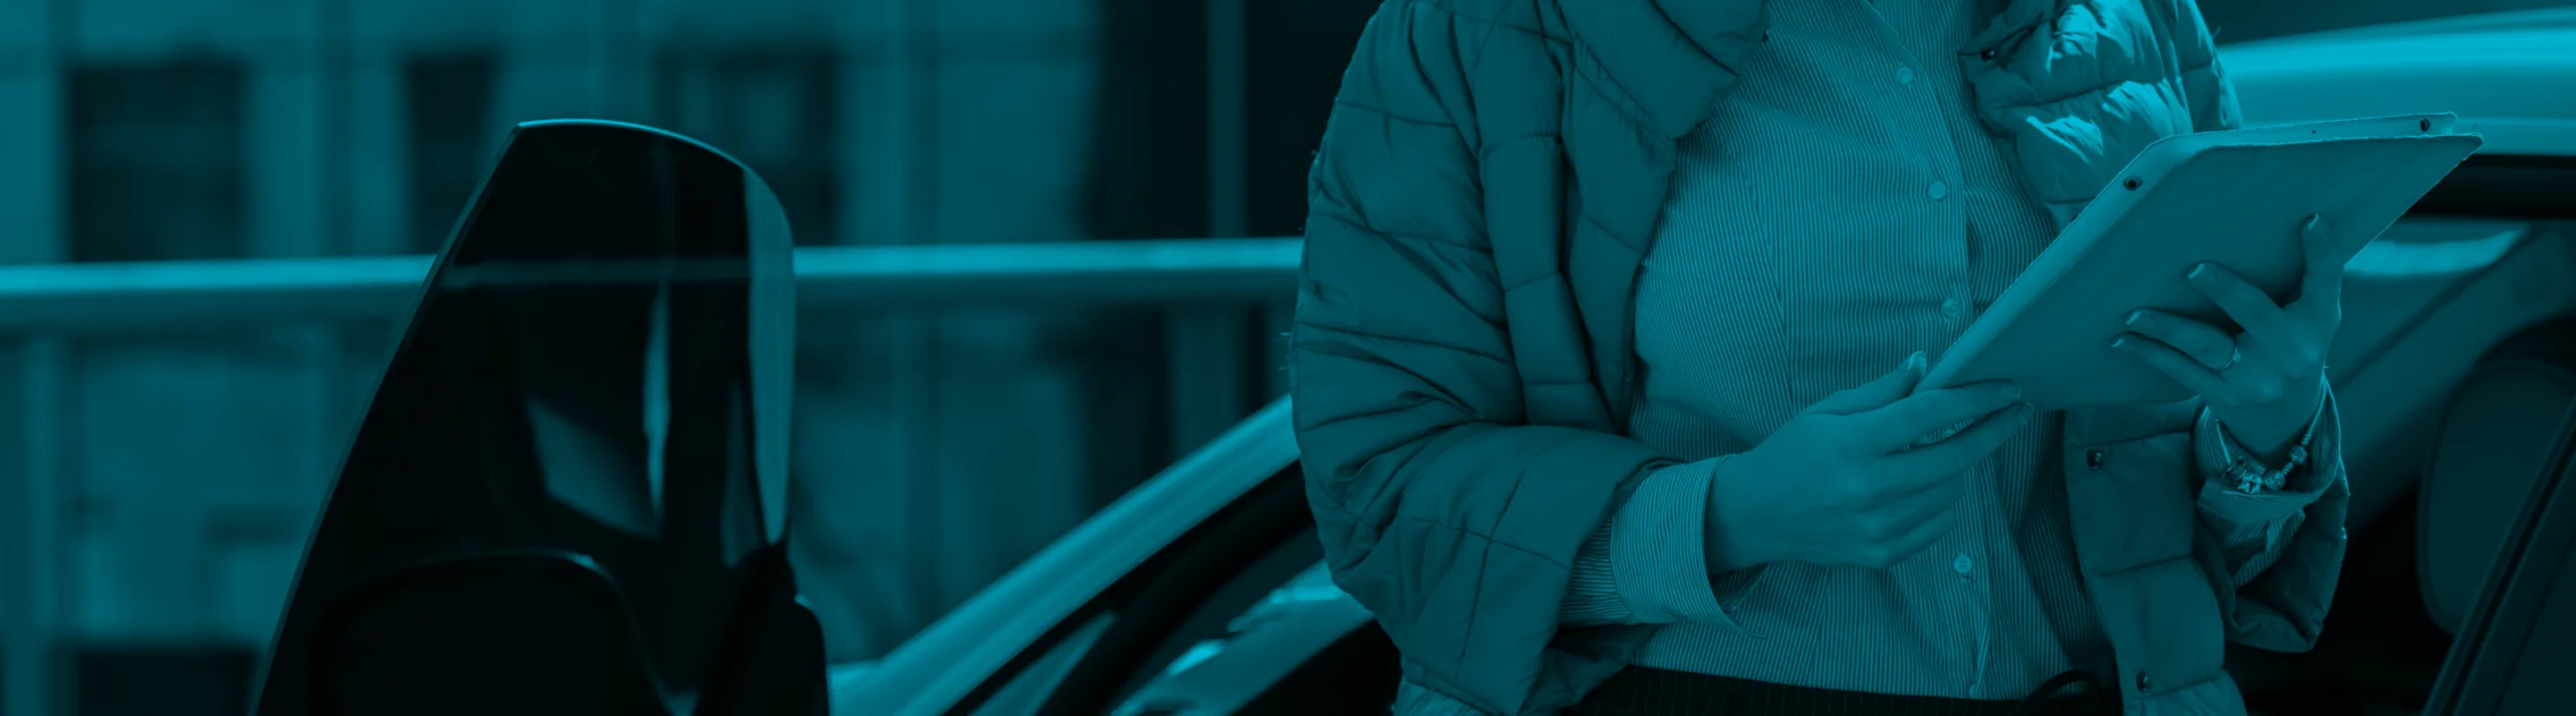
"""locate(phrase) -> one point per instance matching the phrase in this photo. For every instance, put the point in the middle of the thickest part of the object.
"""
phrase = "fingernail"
(2135, 317)
(2120, 343)
(2197, 270)
(2012, 392)
(1914, 361)
(2316, 222)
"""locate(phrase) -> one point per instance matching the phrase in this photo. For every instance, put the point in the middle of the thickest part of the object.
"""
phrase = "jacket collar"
(1672, 60)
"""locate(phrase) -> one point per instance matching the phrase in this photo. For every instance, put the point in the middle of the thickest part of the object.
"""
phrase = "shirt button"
(1951, 307)
(1904, 75)
(2093, 458)
(1962, 565)
(1938, 190)
(2143, 683)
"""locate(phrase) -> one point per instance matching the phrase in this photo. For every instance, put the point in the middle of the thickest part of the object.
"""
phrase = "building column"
(1208, 342)
(32, 471)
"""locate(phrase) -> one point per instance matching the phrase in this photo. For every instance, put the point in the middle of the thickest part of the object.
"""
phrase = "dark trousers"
(1641, 691)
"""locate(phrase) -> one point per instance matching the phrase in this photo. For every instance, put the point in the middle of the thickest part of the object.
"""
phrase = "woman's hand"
(1851, 481)
(2265, 384)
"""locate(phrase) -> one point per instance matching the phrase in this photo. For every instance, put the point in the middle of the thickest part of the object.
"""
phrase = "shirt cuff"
(1648, 564)
(1593, 597)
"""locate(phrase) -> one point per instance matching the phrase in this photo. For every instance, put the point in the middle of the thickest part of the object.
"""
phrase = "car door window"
(1306, 647)
(1234, 557)
(1028, 690)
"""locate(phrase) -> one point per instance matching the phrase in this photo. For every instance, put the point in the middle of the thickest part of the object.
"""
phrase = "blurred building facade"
(170, 479)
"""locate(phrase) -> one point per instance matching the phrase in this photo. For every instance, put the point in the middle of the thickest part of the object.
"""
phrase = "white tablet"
(2236, 198)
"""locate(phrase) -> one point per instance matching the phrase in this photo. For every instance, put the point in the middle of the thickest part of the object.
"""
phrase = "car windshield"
(221, 221)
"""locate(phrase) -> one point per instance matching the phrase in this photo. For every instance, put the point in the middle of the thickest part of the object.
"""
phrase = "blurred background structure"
(156, 485)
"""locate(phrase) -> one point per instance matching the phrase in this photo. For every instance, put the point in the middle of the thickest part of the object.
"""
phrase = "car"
(1203, 591)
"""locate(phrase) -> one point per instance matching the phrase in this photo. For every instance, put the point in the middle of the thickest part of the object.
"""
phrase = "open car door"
(567, 494)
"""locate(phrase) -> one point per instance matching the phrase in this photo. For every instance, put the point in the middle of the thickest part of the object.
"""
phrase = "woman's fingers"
(2208, 344)
(1964, 448)
(1901, 425)
(1877, 393)
(2183, 368)
(2249, 306)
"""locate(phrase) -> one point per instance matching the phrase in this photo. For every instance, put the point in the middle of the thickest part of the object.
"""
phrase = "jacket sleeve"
(2211, 98)
(2276, 598)
(1452, 520)
(2279, 603)
(2250, 527)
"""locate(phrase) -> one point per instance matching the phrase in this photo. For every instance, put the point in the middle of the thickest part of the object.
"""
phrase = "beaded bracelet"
(2252, 476)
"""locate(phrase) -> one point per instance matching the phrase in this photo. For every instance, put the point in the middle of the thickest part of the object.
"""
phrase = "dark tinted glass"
(597, 369)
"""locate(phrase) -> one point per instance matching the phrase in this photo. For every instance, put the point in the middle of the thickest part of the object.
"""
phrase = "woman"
(1594, 352)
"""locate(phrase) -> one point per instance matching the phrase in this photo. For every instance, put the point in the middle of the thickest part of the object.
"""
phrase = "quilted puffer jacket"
(1487, 186)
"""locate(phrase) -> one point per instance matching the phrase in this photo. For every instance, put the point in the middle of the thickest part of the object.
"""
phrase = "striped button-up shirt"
(1841, 209)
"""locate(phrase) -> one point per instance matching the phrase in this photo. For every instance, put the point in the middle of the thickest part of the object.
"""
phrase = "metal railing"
(148, 296)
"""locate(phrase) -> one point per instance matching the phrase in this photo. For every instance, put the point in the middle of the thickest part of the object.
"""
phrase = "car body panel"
(2486, 22)
(2487, 77)
(2392, 396)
